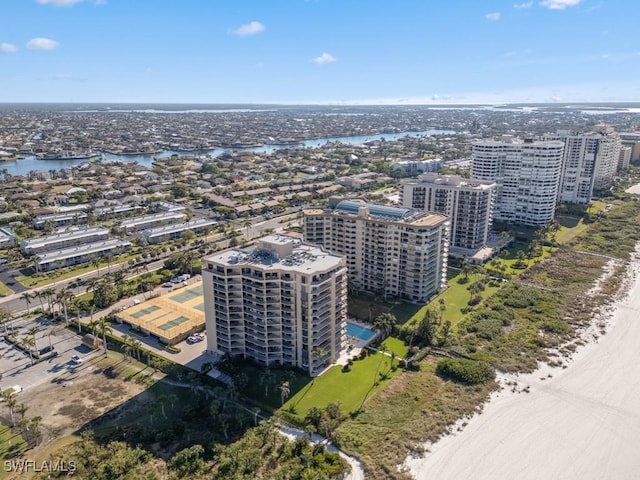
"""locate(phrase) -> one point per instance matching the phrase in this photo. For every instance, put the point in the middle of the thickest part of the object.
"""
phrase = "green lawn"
(4, 290)
(455, 298)
(397, 346)
(511, 259)
(570, 227)
(350, 389)
(11, 444)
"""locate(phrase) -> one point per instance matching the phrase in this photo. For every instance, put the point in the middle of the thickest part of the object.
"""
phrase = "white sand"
(634, 189)
(582, 423)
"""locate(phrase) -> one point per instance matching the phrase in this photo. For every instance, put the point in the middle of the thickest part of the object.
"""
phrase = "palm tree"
(29, 344)
(381, 349)
(118, 281)
(285, 391)
(49, 293)
(126, 346)
(63, 297)
(266, 378)
(32, 331)
(92, 325)
(466, 269)
(22, 409)
(95, 262)
(26, 296)
(36, 433)
(39, 295)
(104, 328)
(246, 224)
(135, 347)
(54, 332)
(385, 323)
(316, 354)
(76, 304)
(11, 404)
(5, 317)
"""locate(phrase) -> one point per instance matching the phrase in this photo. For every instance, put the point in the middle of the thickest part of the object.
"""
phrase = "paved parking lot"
(15, 365)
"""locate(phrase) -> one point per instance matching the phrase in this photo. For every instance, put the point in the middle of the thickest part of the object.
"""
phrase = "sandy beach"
(582, 422)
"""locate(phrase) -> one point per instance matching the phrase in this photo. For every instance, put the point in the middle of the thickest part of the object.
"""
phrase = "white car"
(195, 338)
(75, 359)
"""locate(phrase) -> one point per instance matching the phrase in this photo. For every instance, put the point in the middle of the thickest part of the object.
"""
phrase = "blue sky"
(319, 51)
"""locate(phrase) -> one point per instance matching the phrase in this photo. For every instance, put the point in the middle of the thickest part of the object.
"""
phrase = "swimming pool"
(361, 333)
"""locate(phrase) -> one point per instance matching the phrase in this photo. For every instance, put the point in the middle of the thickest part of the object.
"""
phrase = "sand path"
(583, 423)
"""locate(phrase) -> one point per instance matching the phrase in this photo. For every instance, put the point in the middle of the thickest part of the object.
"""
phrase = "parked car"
(75, 359)
(195, 338)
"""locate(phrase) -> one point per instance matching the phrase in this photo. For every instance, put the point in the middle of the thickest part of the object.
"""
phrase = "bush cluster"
(465, 371)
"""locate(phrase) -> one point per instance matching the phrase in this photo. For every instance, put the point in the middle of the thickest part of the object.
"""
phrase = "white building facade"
(468, 204)
(392, 252)
(527, 176)
(590, 162)
(283, 302)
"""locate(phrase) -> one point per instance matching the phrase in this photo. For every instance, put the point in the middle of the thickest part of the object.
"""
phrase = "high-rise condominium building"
(283, 302)
(590, 162)
(393, 252)
(632, 140)
(468, 204)
(526, 174)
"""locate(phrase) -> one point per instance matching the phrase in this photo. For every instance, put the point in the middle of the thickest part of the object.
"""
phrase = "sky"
(319, 51)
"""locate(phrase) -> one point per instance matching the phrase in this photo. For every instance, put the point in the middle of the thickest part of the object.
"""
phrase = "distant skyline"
(319, 51)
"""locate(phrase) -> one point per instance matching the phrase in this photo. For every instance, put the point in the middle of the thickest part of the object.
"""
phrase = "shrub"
(474, 301)
(465, 371)
(172, 349)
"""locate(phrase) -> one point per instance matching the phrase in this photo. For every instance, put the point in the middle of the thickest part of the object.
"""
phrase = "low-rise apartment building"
(58, 241)
(68, 257)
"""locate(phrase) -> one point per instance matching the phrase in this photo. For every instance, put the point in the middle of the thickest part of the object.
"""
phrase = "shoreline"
(579, 420)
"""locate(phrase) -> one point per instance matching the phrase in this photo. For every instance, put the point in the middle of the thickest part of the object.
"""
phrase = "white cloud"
(59, 3)
(493, 17)
(559, 4)
(251, 28)
(42, 44)
(324, 58)
(523, 5)
(7, 48)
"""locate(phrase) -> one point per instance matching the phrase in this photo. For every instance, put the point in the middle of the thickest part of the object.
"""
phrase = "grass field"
(350, 389)
(11, 445)
(4, 290)
(455, 298)
(397, 346)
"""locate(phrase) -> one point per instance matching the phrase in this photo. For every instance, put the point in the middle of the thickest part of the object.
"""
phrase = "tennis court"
(169, 317)
(188, 294)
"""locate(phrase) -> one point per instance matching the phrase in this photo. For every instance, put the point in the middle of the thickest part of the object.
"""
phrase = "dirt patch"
(69, 402)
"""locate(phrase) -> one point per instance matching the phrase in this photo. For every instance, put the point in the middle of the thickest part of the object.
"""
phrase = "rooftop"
(76, 233)
(82, 250)
(178, 227)
(300, 257)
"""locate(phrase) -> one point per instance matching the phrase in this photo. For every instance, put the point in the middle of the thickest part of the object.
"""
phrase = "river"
(30, 163)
